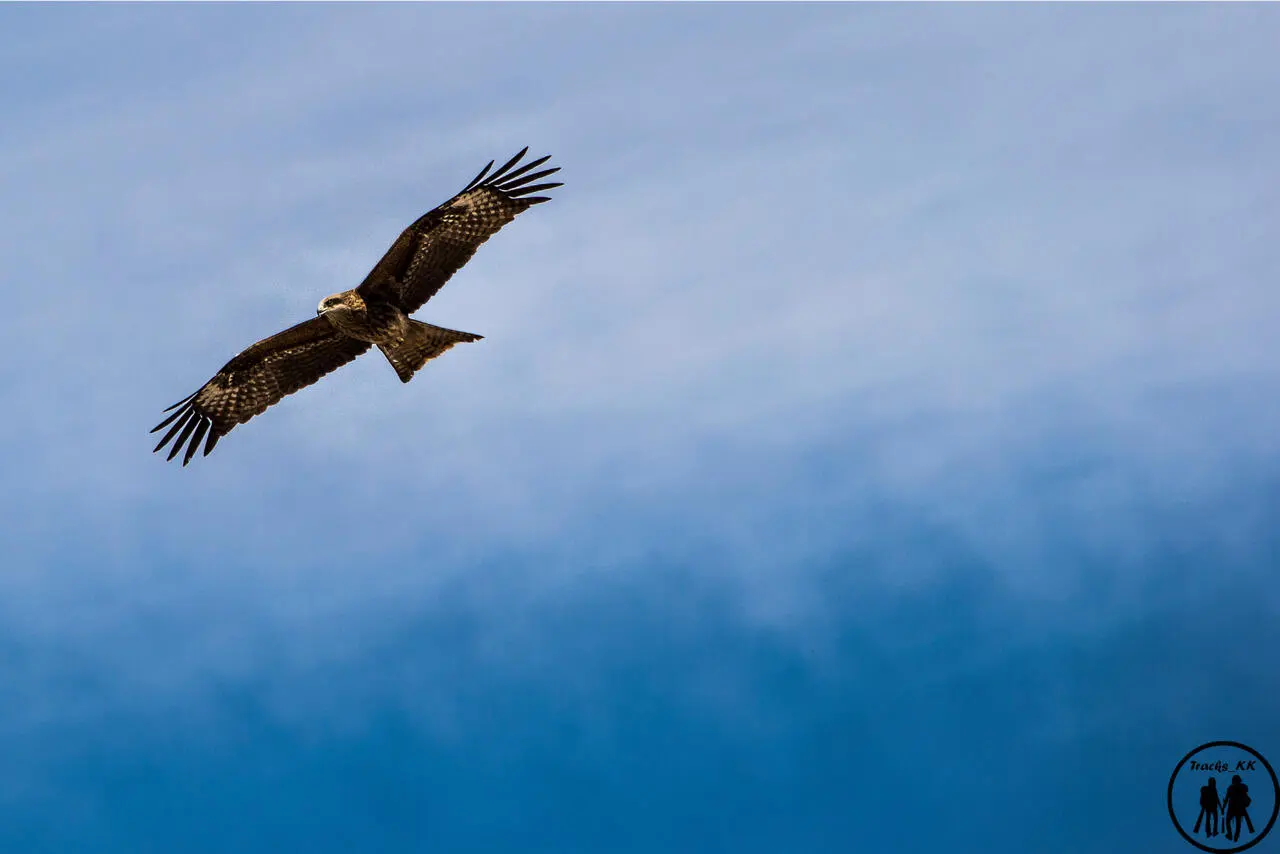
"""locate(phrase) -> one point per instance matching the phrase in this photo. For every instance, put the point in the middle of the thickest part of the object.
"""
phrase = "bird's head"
(339, 301)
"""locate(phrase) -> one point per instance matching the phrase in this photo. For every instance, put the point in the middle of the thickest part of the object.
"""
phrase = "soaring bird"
(422, 259)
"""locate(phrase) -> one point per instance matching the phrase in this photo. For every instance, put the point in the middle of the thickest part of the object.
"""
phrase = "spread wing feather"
(255, 379)
(435, 247)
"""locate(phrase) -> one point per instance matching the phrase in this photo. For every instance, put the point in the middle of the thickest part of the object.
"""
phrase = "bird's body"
(376, 321)
(413, 270)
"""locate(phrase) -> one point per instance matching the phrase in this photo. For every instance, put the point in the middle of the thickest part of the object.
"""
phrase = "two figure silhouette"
(1234, 805)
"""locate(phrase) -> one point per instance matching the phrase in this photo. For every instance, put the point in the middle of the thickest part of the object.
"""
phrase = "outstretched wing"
(254, 380)
(431, 250)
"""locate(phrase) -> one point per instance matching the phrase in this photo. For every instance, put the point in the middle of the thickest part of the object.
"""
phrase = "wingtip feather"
(173, 431)
(532, 164)
(535, 188)
(478, 178)
(161, 425)
(502, 171)
(508, 185)
(195, 440)
(182, 437)
(179, 403)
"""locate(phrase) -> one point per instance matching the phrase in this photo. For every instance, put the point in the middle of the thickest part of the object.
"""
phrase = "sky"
(874, 445)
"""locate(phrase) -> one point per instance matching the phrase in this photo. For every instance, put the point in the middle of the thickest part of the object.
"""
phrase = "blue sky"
(874, 446)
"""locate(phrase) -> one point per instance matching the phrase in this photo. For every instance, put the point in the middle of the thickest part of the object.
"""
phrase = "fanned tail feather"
(423, 343)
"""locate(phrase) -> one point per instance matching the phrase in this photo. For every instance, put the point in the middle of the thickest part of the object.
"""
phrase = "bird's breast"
(379, 323)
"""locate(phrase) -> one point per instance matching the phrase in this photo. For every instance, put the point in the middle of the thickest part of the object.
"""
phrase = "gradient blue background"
(874, 447)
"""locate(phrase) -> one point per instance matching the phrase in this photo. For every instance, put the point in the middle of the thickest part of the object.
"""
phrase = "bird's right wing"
(432, 249)
(255, 379)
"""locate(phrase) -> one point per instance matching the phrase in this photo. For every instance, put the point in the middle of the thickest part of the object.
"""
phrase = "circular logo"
(1224, 797)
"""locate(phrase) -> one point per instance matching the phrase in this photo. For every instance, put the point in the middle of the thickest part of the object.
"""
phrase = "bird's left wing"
(429, 252)
(255, 379)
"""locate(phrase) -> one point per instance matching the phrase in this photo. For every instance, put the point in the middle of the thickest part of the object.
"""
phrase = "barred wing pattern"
(256, 379)
(435, 247)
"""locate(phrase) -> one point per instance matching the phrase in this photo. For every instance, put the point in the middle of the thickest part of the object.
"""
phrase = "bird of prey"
(416, 266)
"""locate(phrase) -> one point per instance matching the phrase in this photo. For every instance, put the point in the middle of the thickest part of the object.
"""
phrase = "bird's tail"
(422, 343)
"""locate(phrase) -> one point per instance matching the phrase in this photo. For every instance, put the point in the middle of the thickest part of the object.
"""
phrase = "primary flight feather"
(423, 258)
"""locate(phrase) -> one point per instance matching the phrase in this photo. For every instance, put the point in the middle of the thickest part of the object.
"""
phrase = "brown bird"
(416, 266)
